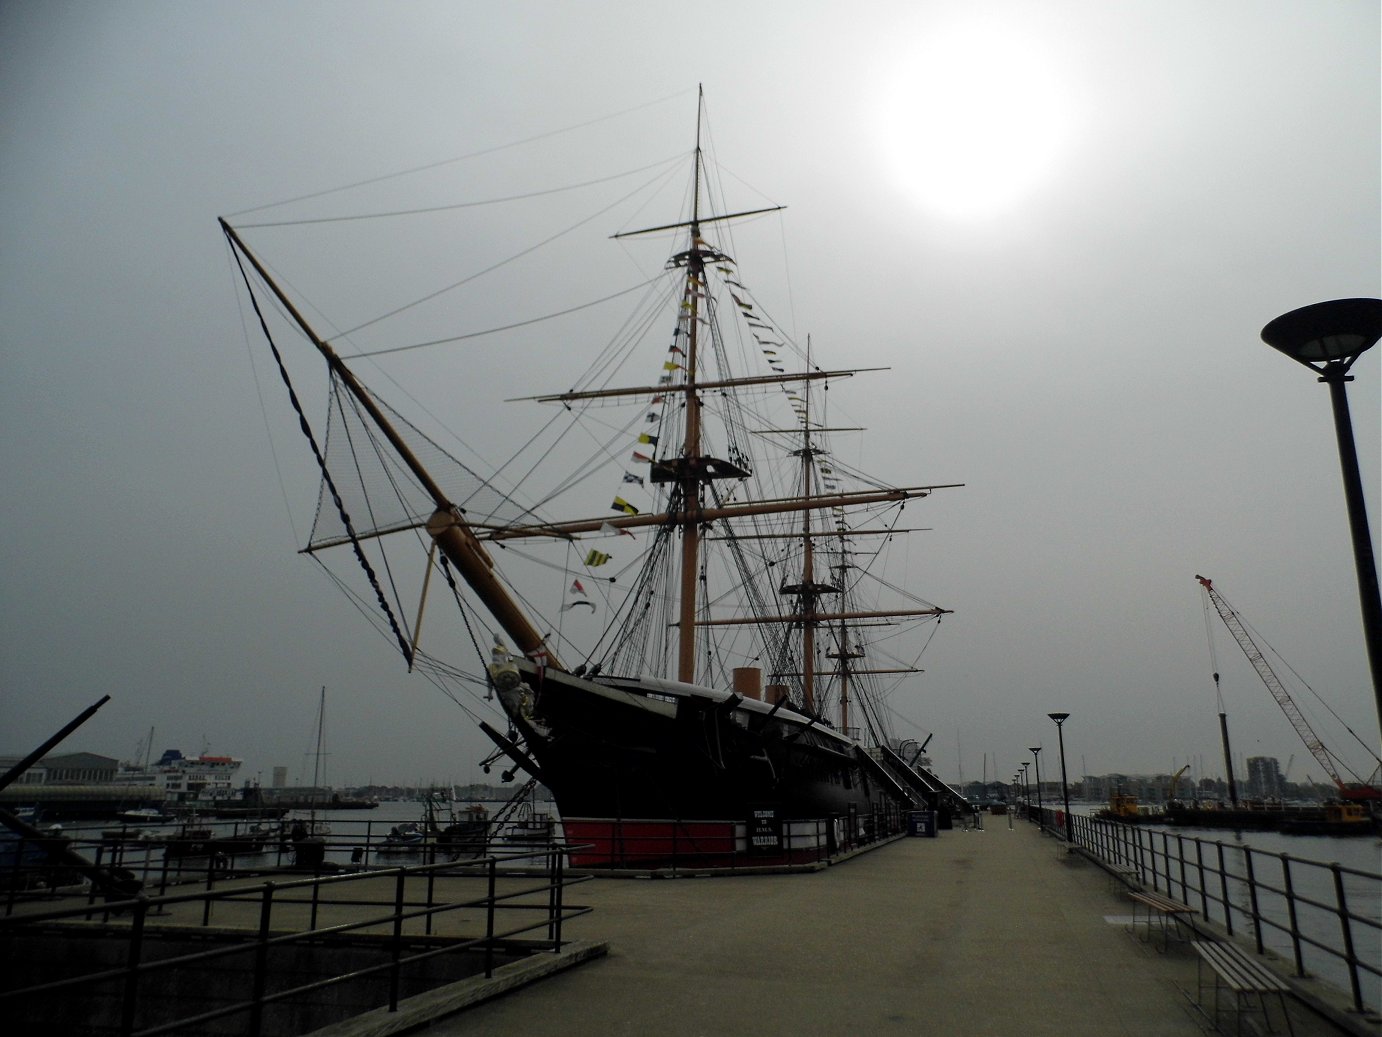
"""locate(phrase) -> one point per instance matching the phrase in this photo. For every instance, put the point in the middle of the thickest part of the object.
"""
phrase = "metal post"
(261, 961)
(1041, 813)
(1289, 888)
(1060, 719)
(1199, 871)
(398, 938)
(1328, 337)
(1251, 876)
(1180, 855)
(1223, 889)
(1346, 926)
(1363, 560)
(136, 952)
(489, 922)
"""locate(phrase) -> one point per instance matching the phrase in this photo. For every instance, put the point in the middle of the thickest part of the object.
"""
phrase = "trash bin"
(921, 823)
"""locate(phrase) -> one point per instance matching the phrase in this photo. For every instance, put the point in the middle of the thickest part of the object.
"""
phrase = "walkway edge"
(443, 1001)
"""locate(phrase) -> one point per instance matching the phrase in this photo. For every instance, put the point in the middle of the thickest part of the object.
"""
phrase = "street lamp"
(1026, 792)
(1035, 750)
(1328, 337)
(1060, 719)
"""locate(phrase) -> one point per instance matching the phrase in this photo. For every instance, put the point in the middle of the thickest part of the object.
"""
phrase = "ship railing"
(1325, 918)
(397, 906)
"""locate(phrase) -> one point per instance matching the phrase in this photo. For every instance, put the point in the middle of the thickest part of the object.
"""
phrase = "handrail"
(551, 909)
(1291, 916)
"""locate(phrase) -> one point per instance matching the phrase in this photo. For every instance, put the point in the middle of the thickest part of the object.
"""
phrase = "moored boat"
(727, 697)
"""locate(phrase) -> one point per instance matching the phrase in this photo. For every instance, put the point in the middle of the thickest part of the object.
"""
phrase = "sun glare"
(974, 120)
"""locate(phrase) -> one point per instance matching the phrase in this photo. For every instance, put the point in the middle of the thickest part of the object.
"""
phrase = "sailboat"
(723, 707)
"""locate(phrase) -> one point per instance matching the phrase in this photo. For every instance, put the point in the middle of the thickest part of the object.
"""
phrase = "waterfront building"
(1264, 777)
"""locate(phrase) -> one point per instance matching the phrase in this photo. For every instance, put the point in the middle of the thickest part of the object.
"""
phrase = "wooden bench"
(1124, 874)
(1169, 911)
(1244, 977)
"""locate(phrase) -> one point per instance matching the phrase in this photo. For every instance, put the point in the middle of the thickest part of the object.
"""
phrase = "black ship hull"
(660, 752)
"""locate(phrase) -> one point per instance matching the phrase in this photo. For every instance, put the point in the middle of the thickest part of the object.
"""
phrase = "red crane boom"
(1236, 627)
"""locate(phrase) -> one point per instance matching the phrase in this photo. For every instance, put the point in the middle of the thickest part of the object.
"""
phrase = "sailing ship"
(724, 705)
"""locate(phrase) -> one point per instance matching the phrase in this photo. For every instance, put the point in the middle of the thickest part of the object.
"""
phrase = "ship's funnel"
(748, 681)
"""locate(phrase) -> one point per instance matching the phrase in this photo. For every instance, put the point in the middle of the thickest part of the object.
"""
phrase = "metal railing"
(1326, 918)
(674, 845)
(409, 911)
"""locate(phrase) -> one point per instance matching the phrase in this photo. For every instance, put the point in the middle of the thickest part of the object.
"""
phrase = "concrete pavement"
(988, 933)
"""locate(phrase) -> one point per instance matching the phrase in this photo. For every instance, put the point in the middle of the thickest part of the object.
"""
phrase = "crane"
(1175, 780)
(1347, 790)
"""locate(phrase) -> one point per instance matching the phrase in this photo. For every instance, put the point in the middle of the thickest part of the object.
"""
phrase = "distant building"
(280, 777)
(78, 769)
(1264, 777)
(35, 775)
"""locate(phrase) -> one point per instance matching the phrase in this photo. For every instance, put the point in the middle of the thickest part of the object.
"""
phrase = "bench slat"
(1239, 972)
(1160, 903)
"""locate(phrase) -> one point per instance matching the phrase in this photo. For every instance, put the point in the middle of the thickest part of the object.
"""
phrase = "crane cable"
(1213, 655)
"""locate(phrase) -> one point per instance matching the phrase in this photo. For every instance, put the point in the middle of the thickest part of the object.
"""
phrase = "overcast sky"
(1061, 224)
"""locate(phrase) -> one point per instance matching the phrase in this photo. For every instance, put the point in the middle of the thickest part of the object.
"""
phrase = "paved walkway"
(990, 933)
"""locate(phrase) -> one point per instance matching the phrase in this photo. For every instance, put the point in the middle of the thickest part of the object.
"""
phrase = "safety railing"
(508, 905)
(1326, 918)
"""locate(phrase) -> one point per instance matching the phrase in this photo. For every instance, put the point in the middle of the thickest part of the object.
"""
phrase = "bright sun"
(975, 120)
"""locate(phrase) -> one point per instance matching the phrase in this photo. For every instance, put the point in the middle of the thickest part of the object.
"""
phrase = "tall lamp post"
(1026, 792)
(1328, 337)
(1035, 750)
(1060, 719)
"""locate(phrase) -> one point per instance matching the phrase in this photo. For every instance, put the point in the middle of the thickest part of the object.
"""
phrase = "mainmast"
(691, 448)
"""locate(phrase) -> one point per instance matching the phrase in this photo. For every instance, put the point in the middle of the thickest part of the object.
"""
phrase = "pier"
(1007, 930)
(994, 932)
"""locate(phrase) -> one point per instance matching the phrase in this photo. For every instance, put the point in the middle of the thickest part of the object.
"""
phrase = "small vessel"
(198, 839)
(1123, 806)
(403, 838)
(465, 835)
(1334, 819)
(144, 815)
(722, 702)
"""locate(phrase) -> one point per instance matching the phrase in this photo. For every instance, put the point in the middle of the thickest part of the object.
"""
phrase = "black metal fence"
(1325, 918)
(507, 904)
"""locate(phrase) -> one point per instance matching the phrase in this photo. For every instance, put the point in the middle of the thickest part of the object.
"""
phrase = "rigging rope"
(321, 463)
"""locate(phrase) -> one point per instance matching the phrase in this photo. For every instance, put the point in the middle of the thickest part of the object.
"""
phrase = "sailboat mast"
(691, 446)
(317, 762)
(452, 534)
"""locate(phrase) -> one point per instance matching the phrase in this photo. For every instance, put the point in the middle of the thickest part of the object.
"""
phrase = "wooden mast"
(691, 447)
(447, 526)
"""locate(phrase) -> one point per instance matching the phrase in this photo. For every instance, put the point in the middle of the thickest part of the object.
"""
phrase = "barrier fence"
(400, 904)
(1325, 918)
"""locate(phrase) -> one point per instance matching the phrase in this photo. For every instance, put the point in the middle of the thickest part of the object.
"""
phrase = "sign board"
(764, 831)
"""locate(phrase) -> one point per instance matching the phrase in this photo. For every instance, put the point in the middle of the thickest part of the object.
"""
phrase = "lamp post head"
(1034, 749)
(1059, 718)
(1327, 336)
